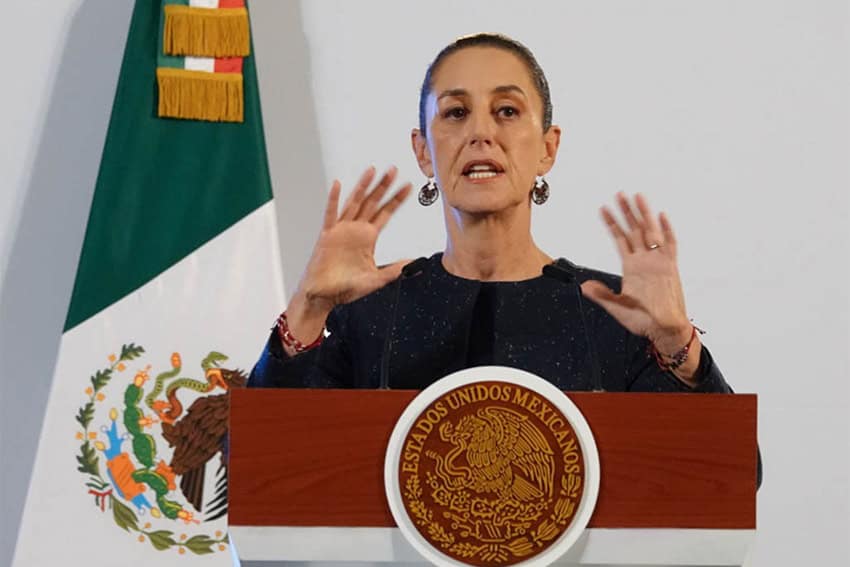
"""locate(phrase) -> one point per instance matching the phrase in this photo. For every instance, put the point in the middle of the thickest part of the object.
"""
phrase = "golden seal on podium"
(491, 471)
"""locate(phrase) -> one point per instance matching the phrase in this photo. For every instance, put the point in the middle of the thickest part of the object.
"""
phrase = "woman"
(485, 142)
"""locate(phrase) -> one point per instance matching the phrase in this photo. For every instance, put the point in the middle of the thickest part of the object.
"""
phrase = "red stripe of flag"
(228, 65)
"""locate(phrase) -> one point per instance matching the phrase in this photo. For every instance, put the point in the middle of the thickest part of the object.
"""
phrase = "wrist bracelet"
(287, 339)
(679, 357)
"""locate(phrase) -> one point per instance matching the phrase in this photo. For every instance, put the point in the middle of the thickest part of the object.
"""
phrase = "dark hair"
(498, 41)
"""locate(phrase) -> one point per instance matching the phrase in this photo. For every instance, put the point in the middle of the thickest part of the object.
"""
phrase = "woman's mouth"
(482, 170)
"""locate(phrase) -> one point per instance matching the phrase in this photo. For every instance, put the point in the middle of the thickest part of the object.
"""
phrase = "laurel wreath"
(521, 546)
(89, 465)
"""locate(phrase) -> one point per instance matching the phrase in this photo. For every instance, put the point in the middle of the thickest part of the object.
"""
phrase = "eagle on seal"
(505, 452)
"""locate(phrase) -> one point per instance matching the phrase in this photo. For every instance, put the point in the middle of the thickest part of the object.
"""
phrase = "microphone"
(412, 269)
(565, 271)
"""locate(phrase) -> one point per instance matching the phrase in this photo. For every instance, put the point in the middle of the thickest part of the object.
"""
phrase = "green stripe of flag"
(163, 60)
(165, 186)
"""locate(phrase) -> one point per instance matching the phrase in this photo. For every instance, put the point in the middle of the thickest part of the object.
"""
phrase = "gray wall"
(55, 106)
(732, 116)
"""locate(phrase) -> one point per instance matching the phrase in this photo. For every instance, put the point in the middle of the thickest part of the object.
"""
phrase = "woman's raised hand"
(651, 302)
(342, 267)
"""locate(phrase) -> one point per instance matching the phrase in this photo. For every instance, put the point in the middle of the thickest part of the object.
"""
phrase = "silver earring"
(540, 191)
(428, 193)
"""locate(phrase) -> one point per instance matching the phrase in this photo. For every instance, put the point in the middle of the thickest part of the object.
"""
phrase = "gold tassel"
(206, 32)
(198, 95)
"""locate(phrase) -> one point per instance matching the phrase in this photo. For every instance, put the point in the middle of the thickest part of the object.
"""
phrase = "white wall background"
(732, 116)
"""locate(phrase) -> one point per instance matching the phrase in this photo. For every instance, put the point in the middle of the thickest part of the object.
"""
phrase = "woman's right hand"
(342, 267)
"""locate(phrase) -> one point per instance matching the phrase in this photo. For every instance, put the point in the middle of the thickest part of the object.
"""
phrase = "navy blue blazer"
(429, 323)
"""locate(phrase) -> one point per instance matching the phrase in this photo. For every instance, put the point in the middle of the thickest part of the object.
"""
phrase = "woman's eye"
(507, 112)
(455, 113)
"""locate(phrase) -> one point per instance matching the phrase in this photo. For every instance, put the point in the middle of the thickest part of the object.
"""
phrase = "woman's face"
(484, 142)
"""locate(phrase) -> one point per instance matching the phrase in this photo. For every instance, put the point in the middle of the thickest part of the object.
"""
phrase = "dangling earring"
(540, 191)
(428, 193)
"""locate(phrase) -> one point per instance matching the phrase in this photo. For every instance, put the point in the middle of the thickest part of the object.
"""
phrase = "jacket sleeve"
(326, 366)
(644, 374)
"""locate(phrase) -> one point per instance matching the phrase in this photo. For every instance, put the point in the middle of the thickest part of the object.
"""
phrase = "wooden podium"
(678, 482)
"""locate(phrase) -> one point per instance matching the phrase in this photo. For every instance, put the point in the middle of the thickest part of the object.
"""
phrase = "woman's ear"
(422, 153)
(551, 142)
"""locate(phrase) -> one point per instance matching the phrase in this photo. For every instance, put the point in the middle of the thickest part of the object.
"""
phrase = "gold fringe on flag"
(199, 95)
(206, 32)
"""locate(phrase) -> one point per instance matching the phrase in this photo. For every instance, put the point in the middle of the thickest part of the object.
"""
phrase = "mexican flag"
(177, 284)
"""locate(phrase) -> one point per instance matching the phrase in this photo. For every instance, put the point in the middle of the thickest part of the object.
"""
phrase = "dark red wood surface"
(316, 458)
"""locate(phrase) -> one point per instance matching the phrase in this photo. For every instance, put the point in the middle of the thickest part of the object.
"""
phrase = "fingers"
(352, 205)
(651, 232)
(624, 245)
(370, 203)
(667, 230)
(362, 204)
(631, 220)
(332, 206)
(642, 231)
(382, 217)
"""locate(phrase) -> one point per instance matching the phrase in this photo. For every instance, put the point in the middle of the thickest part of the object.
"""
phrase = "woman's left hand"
(651, 302)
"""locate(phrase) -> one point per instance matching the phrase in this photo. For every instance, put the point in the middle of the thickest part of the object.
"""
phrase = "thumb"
(390, 272)
(613, 303)
(366, 283)
(598, 292)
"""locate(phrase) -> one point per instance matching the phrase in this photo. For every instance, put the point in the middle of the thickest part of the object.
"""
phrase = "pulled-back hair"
(498, 41)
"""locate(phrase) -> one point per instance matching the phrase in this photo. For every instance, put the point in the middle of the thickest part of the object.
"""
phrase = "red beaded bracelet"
(678, 358)
(288, 340)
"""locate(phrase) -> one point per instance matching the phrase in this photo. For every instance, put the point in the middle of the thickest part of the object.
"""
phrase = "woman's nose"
(481, 129)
